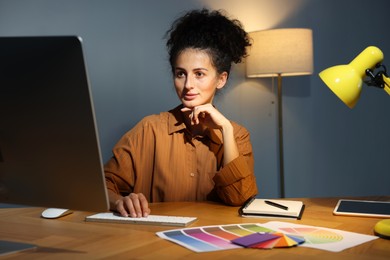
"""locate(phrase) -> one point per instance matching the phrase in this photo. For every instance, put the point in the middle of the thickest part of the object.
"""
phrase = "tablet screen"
(363, 207)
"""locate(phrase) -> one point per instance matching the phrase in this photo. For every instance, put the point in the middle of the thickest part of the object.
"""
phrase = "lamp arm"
(380, 79)
(386, 81)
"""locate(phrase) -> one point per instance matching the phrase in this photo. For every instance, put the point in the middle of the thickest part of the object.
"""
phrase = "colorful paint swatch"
(268, 240)
(198, 233)
(237, 230)
(220, 232)
(190, 242)
(298, 239)
(254, 239)
(285, 241)
(314, 235)
(256, 228)
(267, 244)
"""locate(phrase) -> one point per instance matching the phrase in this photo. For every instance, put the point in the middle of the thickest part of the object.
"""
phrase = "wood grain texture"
(70, 237)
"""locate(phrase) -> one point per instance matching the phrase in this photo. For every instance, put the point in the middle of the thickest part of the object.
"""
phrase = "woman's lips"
(190, 96)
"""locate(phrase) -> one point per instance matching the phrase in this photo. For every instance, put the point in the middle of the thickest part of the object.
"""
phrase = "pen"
(276, 204)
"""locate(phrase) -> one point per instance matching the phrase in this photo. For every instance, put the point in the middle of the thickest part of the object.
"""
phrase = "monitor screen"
(49, 149)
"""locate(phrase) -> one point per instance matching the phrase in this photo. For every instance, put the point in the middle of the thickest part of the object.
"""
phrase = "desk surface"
(71, 237)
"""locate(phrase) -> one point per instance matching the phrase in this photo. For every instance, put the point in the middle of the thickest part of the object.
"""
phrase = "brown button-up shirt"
(160, 159)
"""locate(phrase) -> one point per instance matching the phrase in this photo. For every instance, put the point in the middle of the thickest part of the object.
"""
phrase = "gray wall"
(330, 150)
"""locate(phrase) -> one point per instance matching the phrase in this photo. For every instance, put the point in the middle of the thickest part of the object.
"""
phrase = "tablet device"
(363, 208)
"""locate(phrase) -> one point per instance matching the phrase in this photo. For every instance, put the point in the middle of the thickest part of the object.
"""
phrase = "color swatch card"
(211, 238)
(270, 235)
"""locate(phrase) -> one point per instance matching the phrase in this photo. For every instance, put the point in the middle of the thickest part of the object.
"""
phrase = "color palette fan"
(213, 238)
(268, 240)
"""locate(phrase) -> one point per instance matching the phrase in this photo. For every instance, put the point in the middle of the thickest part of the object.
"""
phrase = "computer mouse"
(382, 228)
(55, 212)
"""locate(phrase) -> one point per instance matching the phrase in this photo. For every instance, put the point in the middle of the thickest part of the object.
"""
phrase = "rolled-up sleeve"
(236, 182)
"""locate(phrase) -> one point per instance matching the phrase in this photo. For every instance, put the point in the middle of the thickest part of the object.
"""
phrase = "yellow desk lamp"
(346, 82)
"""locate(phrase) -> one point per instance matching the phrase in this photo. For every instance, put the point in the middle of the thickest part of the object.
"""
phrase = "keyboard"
(149, 220)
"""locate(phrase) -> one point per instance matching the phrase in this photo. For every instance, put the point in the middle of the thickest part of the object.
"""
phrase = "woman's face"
(196, 79)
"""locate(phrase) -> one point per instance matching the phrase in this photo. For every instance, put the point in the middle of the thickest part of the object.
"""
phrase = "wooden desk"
(70, 237)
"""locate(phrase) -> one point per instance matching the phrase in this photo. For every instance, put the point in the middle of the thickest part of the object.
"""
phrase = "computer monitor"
(49, 149)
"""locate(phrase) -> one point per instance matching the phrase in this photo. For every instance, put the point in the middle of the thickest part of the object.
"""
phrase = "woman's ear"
(222, 80)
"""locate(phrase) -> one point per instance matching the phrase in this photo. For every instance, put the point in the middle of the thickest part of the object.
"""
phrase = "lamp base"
(382, 228)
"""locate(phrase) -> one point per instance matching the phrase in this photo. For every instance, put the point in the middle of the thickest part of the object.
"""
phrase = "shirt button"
(192, 174)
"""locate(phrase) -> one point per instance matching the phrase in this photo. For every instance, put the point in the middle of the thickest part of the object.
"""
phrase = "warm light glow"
(288, 52)
(346, 80)
(258, 14)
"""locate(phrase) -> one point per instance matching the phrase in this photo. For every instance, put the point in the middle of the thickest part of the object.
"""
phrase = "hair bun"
(206, 29)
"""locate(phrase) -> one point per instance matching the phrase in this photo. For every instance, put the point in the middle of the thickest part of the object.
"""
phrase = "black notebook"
(255, 207)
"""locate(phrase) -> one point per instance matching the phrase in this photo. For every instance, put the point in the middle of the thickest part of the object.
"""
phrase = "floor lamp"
(280, 53)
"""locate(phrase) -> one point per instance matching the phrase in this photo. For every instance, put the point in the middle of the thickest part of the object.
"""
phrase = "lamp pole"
(280, 126)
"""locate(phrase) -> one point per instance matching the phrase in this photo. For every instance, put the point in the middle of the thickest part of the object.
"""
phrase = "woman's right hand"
(134, 205)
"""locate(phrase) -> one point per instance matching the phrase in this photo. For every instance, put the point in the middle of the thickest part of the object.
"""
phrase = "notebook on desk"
(256, 207)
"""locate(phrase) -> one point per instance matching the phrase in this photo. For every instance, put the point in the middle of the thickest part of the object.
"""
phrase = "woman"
(192, 152)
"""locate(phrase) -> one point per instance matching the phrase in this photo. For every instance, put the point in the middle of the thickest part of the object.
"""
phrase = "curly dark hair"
(212, 31)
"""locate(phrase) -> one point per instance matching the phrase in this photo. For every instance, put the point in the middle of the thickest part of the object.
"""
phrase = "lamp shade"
(286, 52)
(346, 80)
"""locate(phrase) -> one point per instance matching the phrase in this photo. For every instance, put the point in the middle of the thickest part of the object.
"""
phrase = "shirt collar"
(176, 124)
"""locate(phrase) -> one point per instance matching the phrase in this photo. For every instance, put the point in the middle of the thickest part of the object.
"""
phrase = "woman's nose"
(189, 83)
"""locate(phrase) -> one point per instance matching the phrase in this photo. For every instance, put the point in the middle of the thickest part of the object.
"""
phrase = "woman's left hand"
(209, 116)
(206, 115)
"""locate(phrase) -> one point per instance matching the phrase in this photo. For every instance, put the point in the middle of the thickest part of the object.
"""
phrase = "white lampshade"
(285, 52)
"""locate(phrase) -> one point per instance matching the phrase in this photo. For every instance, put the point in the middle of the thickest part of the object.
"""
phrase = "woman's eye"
(180, 74)
(199, 74)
